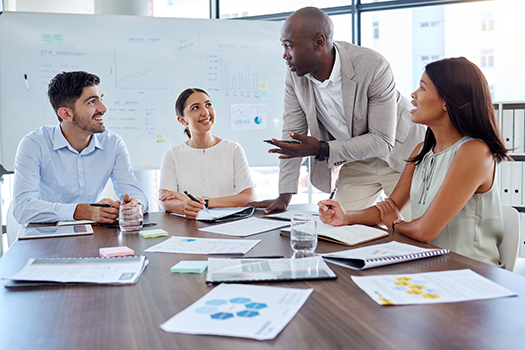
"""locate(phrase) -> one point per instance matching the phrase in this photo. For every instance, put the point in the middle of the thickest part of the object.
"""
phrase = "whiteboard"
(144, 63)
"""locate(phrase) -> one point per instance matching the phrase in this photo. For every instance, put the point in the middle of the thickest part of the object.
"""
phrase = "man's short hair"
(66, 87)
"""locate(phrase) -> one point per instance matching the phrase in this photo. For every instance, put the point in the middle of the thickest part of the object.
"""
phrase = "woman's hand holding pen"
(331, 212)
(192, 209)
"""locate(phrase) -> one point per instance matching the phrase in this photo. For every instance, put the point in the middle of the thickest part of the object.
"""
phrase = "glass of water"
(303, 235)
(131, 218)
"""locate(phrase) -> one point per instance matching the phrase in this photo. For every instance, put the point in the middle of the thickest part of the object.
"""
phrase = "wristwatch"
(322, 153)
(395, 223)
(206, 201)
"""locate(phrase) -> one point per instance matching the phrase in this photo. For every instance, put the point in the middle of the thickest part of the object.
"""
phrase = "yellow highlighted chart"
(430, 287)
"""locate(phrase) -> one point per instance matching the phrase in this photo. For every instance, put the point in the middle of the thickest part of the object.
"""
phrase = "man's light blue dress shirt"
(51, 177)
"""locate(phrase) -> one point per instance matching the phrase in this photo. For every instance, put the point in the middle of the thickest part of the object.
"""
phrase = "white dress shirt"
(329, 101)
(51, 177)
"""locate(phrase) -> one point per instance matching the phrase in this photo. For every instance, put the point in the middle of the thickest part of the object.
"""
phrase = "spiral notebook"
(380, 255)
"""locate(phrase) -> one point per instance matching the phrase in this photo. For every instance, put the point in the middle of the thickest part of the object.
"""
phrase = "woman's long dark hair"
(467, 96)
(180, 104)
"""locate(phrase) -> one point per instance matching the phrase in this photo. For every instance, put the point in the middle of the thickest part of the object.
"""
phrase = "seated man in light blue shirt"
(60, 170)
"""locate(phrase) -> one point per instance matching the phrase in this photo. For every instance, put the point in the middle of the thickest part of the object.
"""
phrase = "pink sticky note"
(116, 251)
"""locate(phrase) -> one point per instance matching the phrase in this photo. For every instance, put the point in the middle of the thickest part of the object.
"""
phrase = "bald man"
(344, 96)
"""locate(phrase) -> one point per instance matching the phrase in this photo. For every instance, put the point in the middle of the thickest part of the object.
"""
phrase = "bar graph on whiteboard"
(235, 80)
(248, 116)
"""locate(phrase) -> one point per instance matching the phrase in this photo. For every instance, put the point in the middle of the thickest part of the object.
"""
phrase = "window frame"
(355, 8)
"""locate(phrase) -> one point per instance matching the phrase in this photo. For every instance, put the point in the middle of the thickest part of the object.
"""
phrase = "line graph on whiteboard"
(143, 72)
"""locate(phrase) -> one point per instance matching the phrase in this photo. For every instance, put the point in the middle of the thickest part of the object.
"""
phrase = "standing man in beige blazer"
(345, 97)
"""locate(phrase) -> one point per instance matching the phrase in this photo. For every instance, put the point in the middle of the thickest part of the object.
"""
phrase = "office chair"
(12, 227)
(509, 247)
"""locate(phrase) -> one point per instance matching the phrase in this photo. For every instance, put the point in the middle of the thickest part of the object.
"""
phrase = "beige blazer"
(377, 115)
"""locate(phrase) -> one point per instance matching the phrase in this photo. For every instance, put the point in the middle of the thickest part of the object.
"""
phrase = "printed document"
(289, 214)
(430, 287)
(236, 310)
(117, 270)
(245, 227)
(194, 245)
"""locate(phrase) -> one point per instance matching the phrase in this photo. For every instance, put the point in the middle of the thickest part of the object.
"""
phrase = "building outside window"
(487, 58)
(375, 28)
(487, 22)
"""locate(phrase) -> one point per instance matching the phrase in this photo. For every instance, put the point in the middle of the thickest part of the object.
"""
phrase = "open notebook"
(347, 235)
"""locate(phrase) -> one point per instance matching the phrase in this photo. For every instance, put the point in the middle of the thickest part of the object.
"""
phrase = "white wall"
(56, 6)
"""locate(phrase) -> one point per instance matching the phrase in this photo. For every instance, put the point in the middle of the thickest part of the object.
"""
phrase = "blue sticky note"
(265, 94)
(58, 39)
(46, 39)
(190, 266)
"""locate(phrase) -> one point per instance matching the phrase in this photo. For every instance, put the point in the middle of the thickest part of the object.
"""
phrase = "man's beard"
(86, 124)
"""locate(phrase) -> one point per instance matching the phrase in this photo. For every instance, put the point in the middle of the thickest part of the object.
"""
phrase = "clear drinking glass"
(303, 236)
(131, 217)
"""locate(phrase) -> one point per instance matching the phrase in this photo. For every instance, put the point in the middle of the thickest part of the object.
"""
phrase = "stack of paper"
(121, 270)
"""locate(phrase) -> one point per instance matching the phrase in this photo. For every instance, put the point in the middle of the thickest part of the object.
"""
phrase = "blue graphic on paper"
(240, 301)
(247, 313)
(222, 316)
(220, 309)
(188, 240)
(256, 306)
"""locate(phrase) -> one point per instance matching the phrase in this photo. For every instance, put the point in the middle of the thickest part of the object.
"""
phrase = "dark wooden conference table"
(337, 315)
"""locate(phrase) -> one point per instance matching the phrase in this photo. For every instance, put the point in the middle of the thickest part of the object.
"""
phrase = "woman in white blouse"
(212, 169)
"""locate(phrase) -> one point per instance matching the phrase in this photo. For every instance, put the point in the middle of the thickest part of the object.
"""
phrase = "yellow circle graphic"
(430, 296)
(404, 279)
(414, 291)
(402, 283)
(416, 286)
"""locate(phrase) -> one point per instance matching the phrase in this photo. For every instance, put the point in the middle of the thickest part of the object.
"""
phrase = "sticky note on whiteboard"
(263, 85)
(265, 94)
(161, 138)
(46, 39)
(58, 39)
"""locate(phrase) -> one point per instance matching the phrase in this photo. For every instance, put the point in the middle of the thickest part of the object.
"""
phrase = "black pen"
(194, 199)
(332, 194)
(100, 205)
(284, 141)
(260, 257)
